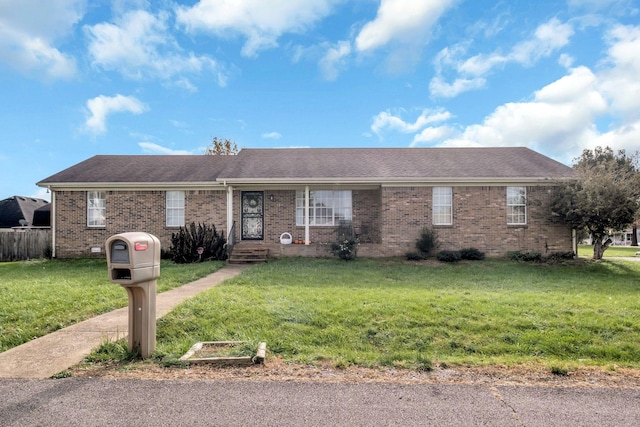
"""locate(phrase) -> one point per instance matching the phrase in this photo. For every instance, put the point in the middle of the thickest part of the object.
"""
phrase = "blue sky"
(80, 78)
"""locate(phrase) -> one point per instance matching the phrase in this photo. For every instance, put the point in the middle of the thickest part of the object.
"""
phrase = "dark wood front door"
(252, 215)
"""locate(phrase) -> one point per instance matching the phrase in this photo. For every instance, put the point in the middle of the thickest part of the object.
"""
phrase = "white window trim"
(174, 215)
(511, 205)
(96, 212)
(309, 215)
(438, 204)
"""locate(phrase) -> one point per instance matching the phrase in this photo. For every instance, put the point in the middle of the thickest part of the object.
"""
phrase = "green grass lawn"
(363, 312)
(396, 313)
(38, 297)
(612, 251)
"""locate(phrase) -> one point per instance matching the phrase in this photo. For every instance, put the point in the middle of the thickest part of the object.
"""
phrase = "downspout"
(52, 220)
(306, 215)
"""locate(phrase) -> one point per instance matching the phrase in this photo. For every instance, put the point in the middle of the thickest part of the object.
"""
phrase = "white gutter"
(399, 181)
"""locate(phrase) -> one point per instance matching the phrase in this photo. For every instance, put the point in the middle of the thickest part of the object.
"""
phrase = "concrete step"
(245, 254)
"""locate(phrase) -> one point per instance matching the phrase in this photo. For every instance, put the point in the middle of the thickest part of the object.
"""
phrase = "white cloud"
(102, 106)
(562, 117)
(401, 20)
(471, 73)
(548, 38)
(620, 80)
(400, 30)
(151, 148)
(440, 88)
(431, 134)
(386, 120)
(139, 44)
(272, 135)
(558, 121)
(261, 22)
(29, 30)
(334, 60)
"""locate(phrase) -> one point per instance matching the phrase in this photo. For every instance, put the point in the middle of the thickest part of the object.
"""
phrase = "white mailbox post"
(133, 260)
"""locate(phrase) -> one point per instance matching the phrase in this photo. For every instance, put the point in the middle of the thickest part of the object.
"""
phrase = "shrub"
(525, 256)
(560, 256)
(471, 254)
(187, 242)
(414, 256)
(427, 242)
(449, 256)
(345, 249)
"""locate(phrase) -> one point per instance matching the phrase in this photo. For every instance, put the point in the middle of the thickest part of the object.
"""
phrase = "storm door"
(252, 215)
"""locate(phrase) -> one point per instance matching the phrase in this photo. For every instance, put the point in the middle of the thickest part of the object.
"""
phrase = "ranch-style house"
(492, 199)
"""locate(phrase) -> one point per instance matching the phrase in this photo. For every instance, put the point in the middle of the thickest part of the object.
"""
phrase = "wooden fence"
(24, 245)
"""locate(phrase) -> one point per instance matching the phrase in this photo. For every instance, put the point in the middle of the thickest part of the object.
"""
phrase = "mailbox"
(133, 258)
(133, 261)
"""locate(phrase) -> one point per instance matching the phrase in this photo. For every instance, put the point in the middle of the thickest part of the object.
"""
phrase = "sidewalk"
(53, 353)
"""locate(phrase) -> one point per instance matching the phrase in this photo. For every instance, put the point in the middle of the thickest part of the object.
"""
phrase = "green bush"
(560, 256)
(471, 254)
(449, 256)
(427, 242)
(414, 256)
(345, 249)
(525, 256)
(186, 243)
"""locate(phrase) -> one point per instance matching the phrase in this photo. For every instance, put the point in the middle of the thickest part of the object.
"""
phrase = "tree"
(221, 148)
(604, 198)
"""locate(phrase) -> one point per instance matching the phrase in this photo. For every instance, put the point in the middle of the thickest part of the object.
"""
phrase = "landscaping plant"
(346, 249)
(197, 243)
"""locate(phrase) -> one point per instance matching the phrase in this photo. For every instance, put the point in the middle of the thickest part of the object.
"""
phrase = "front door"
(252, 215)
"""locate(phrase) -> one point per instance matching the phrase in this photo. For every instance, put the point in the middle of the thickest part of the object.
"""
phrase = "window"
(442, 207)
(325, 207)
(96, 209)
(175, 208)
(516, 205)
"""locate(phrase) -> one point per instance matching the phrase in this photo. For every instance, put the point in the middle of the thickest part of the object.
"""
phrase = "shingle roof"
(298, 165)
(393, 164)
(16, 208)
(142, 169)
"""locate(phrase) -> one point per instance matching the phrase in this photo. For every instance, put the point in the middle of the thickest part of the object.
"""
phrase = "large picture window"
(326, 207)
(175, 208)
(96, 209)
(516, 205)
(442, 206)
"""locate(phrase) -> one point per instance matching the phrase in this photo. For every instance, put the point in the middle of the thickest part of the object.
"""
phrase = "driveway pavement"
(107, 402)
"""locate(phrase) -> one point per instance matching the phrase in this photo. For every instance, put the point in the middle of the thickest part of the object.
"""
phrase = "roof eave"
(61, 186)
(398, 181)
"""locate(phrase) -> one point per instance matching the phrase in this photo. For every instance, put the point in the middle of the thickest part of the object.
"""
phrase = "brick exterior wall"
(392, 216)
(479, 221)
(129, 211)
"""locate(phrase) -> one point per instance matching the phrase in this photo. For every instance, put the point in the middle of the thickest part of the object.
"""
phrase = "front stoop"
(246, 253)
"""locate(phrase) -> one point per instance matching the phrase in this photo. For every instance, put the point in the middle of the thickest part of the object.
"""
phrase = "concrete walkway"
(53, 353)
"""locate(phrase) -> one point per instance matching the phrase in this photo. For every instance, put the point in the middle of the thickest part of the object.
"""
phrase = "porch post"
(229, 213)
(52, 223)
(306, 215)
